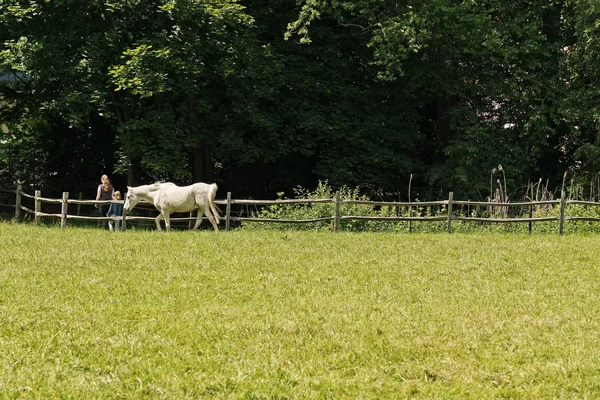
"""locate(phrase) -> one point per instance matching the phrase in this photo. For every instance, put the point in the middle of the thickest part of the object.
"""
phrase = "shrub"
(308, 211)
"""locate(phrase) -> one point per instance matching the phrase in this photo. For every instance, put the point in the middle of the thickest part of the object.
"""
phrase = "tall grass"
(136, 314)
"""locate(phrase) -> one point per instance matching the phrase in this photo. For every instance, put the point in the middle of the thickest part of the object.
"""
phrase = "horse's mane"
(156, 185)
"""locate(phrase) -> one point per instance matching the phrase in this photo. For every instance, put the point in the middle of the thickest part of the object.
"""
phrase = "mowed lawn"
(269, 315)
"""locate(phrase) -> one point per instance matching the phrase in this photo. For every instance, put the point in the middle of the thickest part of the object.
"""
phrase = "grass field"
(269, 315)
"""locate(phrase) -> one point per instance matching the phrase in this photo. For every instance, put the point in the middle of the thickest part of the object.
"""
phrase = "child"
(115, 210)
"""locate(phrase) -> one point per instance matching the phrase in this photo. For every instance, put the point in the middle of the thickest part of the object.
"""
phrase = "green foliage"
(133, 78)
(309, 211)
(154, 83)
(314, 210)
(492, 81)
(196, 89)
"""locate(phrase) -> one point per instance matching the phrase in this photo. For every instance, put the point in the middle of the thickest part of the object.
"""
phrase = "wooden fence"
(337, 216)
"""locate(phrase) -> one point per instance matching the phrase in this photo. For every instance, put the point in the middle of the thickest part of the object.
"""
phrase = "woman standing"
(105, 192)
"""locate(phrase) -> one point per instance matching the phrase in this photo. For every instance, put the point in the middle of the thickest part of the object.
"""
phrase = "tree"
(191, 90)
(582, 55)
(485, 77)
(138, 70)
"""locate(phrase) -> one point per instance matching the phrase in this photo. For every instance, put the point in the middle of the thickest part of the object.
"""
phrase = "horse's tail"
(212, 193)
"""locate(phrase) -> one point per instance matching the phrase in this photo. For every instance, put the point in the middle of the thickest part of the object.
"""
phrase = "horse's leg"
(167, 218)
(198, 220)
(157, 220)
(190, 223)
(211, 217)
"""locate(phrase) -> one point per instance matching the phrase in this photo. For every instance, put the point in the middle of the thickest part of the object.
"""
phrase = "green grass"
(250, 314)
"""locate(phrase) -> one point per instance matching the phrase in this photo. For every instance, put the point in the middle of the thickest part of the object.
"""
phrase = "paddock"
(267, 314)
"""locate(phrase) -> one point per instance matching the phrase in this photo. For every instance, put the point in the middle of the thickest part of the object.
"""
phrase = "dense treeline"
(261, 96)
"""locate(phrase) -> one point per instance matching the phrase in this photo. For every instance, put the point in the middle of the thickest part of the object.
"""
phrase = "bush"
(309, 211)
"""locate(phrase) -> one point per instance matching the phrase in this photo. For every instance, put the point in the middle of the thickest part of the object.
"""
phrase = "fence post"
(18, 203)
(64, 209)
(530, 216)
(561, 218)
(123, 220)
(38, 206)
(79, 205)
(409, 221)
(228, 213)
(336, 221)
(450, 197)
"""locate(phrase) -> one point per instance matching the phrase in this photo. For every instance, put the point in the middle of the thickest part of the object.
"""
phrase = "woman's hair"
(103, 177)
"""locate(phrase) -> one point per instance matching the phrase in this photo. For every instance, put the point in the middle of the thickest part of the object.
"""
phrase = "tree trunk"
(131, 175)
(442, 106)
(204, 170)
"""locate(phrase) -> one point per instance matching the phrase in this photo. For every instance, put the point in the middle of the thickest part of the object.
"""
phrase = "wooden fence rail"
(337, 216)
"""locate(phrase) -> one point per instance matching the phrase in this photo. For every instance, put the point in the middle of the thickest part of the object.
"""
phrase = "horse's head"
(131, 199)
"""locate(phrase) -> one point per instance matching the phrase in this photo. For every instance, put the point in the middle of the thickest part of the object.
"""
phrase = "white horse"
(169, 198)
